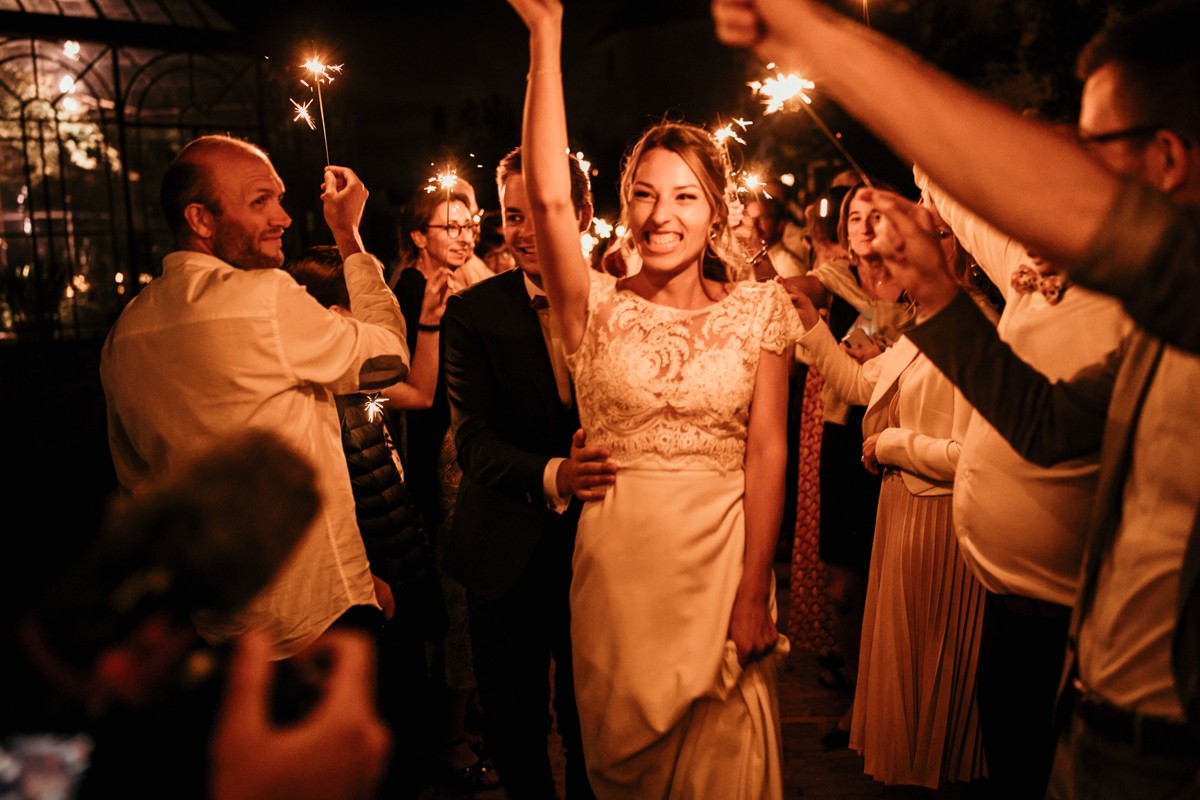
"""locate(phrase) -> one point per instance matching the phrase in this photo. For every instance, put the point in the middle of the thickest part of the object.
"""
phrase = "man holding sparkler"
(224, 341)
(514, 526)
(1131, 230)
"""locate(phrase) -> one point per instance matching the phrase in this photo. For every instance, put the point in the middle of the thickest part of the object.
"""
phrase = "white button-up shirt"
(208, 350)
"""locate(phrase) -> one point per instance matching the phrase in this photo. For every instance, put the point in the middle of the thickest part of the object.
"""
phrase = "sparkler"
(445, 181)
(374, 407)
(302, 114)
(753, 183)
(782, 92)
(722, 136)
(321, 73)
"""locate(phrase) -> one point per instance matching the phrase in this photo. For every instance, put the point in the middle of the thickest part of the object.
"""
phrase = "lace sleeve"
(600, 290)
(779, 324)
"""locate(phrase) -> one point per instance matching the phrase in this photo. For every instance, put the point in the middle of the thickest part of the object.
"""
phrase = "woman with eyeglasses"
(437, 234)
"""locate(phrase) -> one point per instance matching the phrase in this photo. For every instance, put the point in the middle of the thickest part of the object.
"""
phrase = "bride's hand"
(751, 628)
(537, 12)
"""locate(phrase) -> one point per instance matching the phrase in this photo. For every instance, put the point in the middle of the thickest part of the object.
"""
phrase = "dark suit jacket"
(509, 423)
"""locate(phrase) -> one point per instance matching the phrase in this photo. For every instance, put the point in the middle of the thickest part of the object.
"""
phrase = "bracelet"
(421, 326)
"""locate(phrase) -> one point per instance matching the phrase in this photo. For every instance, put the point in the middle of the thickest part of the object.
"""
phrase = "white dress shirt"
(208, 350)
(1021, 527)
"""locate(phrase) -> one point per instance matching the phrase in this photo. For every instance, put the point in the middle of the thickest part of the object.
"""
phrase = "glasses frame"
(456, 229)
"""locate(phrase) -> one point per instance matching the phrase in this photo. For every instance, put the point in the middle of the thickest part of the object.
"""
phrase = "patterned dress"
(666, 710)
(810, 610)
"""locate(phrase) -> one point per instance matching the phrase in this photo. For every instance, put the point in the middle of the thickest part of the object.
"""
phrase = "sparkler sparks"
(444, 181)
(722, 136)
(320, 73)
(781, 92)
(302, 114)
(374, 407)
(752, 182)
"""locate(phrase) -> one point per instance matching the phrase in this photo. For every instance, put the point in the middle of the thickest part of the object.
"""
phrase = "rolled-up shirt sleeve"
(346, 354)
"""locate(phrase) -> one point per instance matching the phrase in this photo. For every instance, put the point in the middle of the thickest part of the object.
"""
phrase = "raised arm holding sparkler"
(544, 143)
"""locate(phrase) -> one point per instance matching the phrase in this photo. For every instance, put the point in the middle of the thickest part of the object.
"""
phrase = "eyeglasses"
(456, 229)
(1087, 139)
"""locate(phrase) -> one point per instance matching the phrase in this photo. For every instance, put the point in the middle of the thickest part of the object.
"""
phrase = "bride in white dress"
(684, 379)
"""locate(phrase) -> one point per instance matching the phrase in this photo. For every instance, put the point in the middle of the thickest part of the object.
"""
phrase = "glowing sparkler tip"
(321, 71)
(374, 407)
(302, 114)
(779, 90)
(722, 135)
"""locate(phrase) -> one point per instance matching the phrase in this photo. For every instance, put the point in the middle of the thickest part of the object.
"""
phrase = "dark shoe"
(836, 739)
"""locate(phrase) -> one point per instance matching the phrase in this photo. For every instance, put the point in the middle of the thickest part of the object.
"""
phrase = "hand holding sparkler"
(344, 196)
(768, 27)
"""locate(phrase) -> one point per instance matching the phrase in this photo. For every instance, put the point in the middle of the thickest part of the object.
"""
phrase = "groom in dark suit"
(523, 461)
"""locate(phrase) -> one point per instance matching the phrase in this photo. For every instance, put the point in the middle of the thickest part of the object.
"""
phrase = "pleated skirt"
(665, 709)
(915, 717)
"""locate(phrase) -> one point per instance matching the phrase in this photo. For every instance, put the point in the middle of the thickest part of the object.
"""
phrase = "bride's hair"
(703, 157)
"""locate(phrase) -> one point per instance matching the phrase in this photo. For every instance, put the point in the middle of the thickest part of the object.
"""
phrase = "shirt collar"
(531, 288)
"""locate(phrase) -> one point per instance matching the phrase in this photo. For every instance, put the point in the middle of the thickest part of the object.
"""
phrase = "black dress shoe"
(836, 739)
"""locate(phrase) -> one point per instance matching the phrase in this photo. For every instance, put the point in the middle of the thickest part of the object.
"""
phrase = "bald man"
(225, 341)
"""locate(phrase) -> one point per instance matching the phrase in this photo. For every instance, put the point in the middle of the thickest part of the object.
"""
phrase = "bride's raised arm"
(544, 148)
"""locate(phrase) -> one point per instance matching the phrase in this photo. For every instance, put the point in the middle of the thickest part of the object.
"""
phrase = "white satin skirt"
(665, 709)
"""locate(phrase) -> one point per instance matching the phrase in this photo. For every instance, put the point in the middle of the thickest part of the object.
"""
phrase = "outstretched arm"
(547, 177)
(1015, 173)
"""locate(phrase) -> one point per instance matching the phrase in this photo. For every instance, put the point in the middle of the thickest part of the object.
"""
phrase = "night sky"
(435, 82)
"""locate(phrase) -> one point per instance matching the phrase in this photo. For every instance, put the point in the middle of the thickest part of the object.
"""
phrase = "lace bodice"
(666, 387)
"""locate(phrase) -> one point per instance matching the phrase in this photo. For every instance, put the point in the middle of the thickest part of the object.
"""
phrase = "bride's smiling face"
(669, 214)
